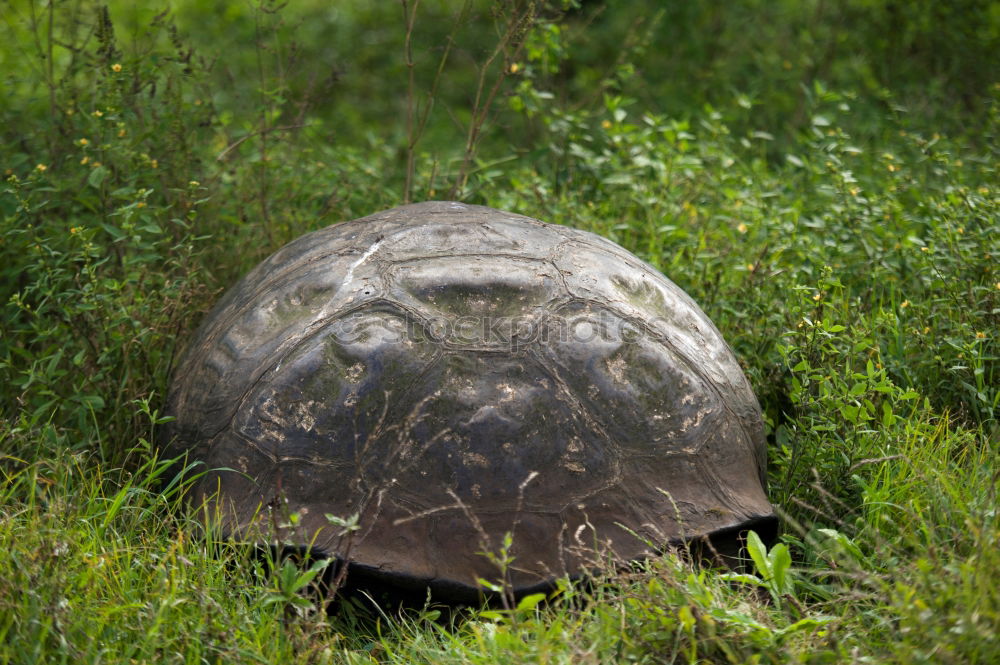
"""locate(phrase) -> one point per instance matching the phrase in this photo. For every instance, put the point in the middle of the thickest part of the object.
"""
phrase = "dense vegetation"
(820, 176)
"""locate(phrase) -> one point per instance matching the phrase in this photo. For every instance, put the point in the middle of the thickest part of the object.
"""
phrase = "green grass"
(843, 240)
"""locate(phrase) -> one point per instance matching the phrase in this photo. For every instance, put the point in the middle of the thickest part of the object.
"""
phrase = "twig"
(415, 126)
(410, 16)
(510, 45)
(235, 144)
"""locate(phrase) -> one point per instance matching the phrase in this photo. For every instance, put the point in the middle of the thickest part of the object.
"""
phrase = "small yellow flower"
(74, 229)
(854, 191)
(116, 67)
(925, 249)
(606, 124)
(905, 303)
(751, 267)
(155, 164)
(41, 167)
(95, 164)
(194, 183)
(960, 230)
(892, 168)
(742, 228)
(818, 296)
(98, 114)
(84, 161)
(121, 133)
(980, 335)
(514, 67)
(927, 329)
(83, 142)
(140, 204)
(998, 286)
(197, 102)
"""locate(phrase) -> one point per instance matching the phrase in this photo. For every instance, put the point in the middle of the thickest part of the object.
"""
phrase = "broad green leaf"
(495, 615)
(95, 402)
(742, 578)
(490, 586)
(97, 176)
(805, 624)
(845, 543)
(781, 563)
(530, 601)
(758, 552)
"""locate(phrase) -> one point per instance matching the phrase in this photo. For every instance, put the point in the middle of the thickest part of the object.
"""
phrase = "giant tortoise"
(449, 375)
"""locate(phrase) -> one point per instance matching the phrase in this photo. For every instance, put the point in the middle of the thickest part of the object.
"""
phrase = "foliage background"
(821, 176)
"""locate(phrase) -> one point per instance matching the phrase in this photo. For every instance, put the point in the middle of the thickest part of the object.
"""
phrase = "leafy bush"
(100, 239)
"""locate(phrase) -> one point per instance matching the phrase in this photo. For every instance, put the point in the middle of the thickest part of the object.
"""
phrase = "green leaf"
(617, 179)
(887, 418)
(489, 586)
(755, 546)
(742, 578)
(530, 601)
(287, 575)
(686, 617)
(805, 624)
(844, 543)
(781, 563)
(97, 176)
(116, 505)
(95, 402)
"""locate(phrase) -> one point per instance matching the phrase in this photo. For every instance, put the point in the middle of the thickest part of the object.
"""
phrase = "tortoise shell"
(450, 374)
